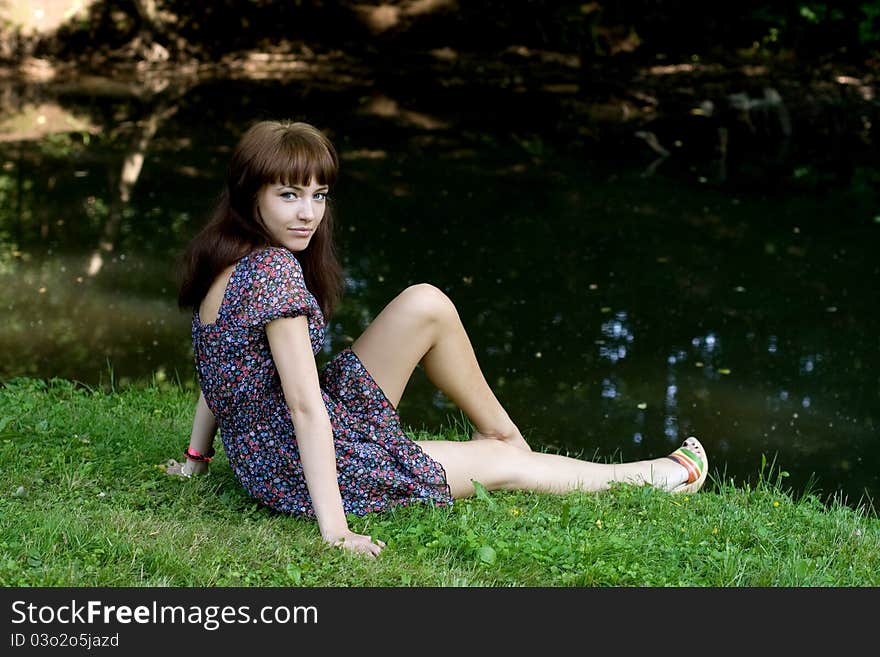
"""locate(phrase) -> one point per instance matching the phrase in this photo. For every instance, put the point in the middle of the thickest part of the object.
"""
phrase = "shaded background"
(655, 218)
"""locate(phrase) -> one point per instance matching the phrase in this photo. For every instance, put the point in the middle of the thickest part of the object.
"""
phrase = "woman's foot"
(511, 436)
(693, 466)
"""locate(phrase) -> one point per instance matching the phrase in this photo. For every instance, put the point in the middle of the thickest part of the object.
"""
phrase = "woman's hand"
(359, 543)
(186, 469)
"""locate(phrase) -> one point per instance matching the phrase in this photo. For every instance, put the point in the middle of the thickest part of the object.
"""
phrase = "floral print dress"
(378, 465)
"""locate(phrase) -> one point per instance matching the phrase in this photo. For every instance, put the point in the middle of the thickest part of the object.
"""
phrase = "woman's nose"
(306, 211)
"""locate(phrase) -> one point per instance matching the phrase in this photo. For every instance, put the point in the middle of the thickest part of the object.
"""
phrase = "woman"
(262, 277)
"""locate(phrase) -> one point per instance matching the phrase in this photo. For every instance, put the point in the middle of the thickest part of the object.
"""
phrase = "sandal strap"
(689, 461)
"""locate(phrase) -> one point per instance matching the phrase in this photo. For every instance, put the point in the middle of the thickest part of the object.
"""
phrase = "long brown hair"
(269, 152)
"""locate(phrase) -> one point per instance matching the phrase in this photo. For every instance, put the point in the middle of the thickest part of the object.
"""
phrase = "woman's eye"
(321, 196)
(288, 196)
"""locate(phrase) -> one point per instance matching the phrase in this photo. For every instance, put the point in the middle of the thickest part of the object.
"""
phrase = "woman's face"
(292, 213)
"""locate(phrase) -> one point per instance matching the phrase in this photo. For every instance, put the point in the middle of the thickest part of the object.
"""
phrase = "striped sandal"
(692, 457)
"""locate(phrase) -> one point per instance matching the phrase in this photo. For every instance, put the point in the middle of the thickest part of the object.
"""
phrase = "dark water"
(614, 313)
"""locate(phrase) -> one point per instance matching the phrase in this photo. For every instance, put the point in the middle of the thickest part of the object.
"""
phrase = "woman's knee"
(428, 301)
(506, 467)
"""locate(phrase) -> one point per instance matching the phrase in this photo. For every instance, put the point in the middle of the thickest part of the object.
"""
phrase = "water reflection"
(617, 336)
(670, 403)
(609, 389)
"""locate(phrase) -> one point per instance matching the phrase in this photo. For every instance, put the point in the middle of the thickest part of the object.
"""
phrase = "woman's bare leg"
(421, 324)
(498, 465)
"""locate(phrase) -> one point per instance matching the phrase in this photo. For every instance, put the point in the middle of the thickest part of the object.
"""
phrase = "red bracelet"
(193, 455)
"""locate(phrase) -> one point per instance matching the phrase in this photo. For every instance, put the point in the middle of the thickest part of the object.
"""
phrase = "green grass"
(84, 502)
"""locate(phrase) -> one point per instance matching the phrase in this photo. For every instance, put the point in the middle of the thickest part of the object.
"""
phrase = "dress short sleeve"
(277, 289)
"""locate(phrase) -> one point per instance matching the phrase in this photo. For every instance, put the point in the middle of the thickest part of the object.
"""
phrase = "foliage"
(820, 27)
(869, 26)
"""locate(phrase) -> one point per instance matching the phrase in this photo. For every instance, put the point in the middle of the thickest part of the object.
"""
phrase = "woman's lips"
(302, 232)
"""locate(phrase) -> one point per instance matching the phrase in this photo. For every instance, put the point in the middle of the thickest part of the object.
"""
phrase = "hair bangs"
(298, 159)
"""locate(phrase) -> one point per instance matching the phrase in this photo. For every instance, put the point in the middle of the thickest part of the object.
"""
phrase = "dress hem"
(373, 382)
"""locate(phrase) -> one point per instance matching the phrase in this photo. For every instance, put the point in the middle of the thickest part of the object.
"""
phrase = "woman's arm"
(201, 440)
(292, 353)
